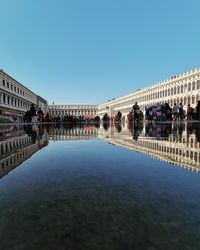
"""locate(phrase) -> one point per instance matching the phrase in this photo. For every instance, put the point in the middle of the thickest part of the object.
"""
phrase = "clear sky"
(89, 51)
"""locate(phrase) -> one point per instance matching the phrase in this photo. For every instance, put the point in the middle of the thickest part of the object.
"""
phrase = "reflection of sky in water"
(88, 194)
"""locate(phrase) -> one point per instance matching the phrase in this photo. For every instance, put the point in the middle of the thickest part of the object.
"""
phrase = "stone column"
(1, 97)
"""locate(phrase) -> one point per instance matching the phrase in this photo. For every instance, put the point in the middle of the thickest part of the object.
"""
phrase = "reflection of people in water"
(31, 131)
(190, 128)
(118, 126)
(158, 130)
(106, 126)
(181, 128)
(136, 131)
(193, 128)
(41, 130)
(34, 134)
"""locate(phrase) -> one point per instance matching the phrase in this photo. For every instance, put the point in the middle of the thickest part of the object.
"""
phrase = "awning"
(89, 116)
(9, 113)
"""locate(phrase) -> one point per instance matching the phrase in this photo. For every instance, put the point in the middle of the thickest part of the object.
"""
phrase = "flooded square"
(114, 186)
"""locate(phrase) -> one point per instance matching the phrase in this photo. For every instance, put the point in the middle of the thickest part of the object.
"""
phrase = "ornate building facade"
(16, 99)
(88, 111)
(184, 88)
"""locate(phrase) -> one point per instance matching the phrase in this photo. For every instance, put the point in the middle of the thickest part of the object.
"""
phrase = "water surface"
(113, 187)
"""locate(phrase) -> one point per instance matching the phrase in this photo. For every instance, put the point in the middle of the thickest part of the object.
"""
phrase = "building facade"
(184, 88)
(43, 104)
(16, 99)
(88, 111)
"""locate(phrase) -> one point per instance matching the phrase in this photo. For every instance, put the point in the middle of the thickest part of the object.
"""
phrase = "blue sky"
(89, 51)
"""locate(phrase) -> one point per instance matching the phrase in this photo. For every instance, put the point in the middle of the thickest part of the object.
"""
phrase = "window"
(4, 83)
(185, 100)
(174, 90)
(185, 86)
(198, 84)
(7, 84)
(181, 88)
(189, 86)
(193, 86)
(193, 99)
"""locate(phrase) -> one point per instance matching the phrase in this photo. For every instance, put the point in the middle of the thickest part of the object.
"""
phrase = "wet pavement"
(109, 187)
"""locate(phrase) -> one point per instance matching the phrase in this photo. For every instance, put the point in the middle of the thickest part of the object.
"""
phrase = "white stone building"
(184, 88)
(16, 99)
(62, 110)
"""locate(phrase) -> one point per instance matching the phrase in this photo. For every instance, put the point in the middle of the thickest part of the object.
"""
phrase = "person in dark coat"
(33, 113)
(40, 115)
(198, 110)
(136, 110)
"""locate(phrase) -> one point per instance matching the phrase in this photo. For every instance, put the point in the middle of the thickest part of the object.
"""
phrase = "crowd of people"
(159, 112)
(163, 112)
(34, 116)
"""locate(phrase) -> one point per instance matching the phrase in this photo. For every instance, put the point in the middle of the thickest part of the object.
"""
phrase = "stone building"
(16, 99)
(61, 110)
(183, 88)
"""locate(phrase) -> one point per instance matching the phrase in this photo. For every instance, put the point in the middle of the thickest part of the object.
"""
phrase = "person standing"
(33, 114)
(175, 110)
(136, 109)
(189, 112)
(198, 110)
(181, 113)
(41, 115)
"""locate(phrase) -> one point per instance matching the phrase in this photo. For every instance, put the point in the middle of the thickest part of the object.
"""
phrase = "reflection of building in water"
(19, 146)
(181, 148)
(72, 133)
(176, 143)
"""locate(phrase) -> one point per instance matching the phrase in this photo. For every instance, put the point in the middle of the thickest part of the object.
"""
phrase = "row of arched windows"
(73, 112)
(16, 88)
(176, 90)
(14, 102)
